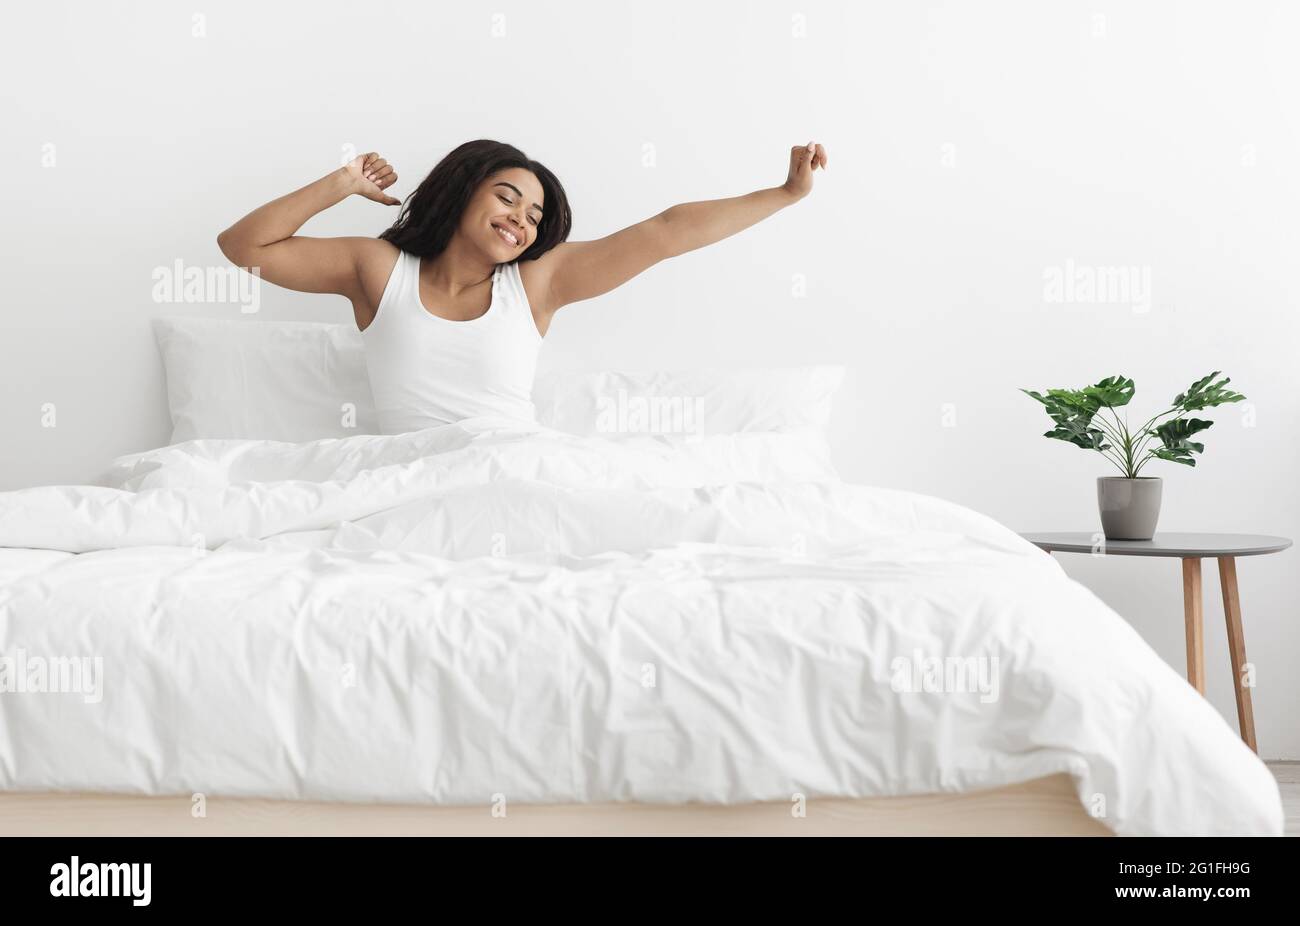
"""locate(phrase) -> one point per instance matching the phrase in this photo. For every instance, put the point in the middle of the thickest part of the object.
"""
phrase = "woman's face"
(507, 204)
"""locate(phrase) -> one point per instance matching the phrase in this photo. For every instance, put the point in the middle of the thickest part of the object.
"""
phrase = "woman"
(454, 299)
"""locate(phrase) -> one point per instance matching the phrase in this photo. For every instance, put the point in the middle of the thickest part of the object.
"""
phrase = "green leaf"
(1205, 393)
(1087, 438)
(1173, 456)
(1174, 435)
(1072, 412)
(1179, 429)
(1112, 392)
(1075, 399)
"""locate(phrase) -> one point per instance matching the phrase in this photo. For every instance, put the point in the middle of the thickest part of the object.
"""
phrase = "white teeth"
(507, 235)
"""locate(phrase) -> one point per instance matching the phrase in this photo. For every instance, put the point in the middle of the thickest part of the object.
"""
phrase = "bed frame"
(1042, 807)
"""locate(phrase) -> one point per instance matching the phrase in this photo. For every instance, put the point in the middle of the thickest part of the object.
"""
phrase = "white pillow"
(286, 381)
(688, 402)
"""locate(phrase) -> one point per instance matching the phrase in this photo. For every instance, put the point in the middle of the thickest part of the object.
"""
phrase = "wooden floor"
(1053, 797)
(1288, 782)
(1044, 806)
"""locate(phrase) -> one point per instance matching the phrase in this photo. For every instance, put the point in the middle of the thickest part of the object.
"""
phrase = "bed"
(499, 627)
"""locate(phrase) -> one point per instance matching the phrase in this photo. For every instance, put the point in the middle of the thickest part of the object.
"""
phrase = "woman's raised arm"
(264, 239)
(578, 270)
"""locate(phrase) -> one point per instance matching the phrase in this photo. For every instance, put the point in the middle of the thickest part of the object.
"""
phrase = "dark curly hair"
(430, 215)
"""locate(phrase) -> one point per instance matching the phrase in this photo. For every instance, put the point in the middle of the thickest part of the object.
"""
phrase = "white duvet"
(487, 612)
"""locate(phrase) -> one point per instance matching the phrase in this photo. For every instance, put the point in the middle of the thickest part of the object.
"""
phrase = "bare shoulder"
(574, 271)
(537, 276)
(375, 260)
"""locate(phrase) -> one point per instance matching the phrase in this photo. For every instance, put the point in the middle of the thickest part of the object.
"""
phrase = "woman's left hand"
(804, 159)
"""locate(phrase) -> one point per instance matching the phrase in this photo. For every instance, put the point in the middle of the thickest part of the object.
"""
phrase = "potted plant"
(1130, 503)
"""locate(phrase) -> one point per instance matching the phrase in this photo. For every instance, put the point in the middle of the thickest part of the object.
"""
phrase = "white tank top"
(426, 370)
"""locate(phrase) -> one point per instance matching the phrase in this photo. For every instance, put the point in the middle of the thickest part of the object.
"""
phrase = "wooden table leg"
(1194, 615)
(1237, 648)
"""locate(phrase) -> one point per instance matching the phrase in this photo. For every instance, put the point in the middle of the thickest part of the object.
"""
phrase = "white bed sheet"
(488, 610)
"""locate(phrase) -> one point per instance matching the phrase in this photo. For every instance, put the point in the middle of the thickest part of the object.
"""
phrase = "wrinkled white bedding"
(488, 609)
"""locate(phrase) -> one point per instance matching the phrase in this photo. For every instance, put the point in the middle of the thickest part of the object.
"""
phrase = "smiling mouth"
(508, 237)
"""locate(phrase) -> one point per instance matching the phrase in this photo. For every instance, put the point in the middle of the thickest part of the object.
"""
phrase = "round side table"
(1191, 549)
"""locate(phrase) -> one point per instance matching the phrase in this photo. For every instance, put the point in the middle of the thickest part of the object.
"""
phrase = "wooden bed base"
(1043, 807)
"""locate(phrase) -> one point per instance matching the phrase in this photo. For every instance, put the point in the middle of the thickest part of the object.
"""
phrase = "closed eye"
(509, 203)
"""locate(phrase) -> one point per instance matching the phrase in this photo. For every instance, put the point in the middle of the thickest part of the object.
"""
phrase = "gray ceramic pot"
(1129, 507)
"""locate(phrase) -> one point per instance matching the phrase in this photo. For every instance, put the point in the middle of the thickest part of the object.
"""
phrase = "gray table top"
(1163, 544)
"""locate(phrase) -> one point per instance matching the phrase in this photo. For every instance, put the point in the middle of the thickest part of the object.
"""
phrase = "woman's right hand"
(370, 176)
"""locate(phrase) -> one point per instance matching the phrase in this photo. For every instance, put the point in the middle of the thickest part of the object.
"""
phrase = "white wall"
(973, 147)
